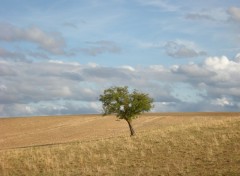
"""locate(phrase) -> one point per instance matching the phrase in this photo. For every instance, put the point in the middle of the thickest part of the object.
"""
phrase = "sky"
(57, 57)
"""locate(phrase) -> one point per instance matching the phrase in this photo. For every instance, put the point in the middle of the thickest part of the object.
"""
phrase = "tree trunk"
(132, 132)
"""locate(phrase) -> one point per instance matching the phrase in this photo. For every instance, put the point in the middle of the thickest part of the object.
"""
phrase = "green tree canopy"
(126, 105)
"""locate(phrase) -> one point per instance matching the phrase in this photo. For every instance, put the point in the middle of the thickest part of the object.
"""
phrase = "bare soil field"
(34, 131)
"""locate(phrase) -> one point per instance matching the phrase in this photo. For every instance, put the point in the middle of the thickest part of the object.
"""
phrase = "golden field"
(165, 144)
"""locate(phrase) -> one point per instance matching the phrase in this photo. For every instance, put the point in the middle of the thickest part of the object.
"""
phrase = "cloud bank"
(56, 87)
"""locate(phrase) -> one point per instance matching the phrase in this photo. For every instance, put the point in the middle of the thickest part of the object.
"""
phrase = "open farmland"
(166, 144)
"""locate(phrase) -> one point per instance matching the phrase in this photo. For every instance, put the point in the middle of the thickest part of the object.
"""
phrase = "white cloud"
(51, 42)
(222, 64)
(129, 68)
(191, 69)
(182, 49)
(92, 64)
(3, 87)
(213, 14)
(234, 12)
(72, 25)
(199, 16)
(64, 63)
(100, 47)
(6, 69)
(217, 63)
(164, 5)
(147, 45)
(12, 56)
(237, 57)
(222, 102)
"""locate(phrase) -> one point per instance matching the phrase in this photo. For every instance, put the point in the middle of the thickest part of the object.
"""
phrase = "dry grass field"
(166, 144)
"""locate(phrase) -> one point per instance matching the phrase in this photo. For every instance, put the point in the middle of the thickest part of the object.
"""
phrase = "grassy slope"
(208, 146)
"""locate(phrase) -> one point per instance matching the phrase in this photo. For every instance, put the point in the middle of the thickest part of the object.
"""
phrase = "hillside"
(22, 132)
(166, 144)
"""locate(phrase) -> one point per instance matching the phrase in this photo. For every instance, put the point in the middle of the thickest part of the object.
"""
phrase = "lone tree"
(127, 106)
